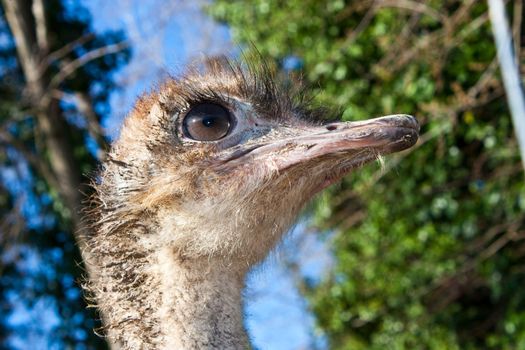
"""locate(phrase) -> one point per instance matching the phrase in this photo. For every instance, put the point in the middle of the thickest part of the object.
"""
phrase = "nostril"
(331, 127)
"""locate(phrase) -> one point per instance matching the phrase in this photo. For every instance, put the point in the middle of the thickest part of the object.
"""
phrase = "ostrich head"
(207, 175)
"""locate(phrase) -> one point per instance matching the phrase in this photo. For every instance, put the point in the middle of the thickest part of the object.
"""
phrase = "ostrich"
(207, 175)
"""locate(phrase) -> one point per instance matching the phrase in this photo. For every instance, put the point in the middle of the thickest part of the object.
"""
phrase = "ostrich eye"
(207, 122)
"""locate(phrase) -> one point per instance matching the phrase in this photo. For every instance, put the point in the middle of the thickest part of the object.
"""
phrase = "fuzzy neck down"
(161, 300)
(201, 305)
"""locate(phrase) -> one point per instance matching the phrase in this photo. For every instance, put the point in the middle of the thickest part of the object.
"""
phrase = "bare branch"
(41, 25)
(12, 225)
(19, 23)
(509, 71)
(413, 6)
(50, 122)
(516, 27)
(443, 39)
(365, 21)
(38, 163)
(72, 66)
(66, 49)
(85, 107)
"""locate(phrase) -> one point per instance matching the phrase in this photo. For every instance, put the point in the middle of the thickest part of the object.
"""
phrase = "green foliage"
(435, 258)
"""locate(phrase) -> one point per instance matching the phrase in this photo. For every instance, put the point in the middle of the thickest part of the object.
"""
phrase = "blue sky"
(165, 36)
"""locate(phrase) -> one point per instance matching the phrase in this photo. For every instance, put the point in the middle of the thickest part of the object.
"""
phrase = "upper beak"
(353, 143)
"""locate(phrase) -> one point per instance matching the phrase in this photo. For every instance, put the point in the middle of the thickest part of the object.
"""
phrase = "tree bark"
(50, 123)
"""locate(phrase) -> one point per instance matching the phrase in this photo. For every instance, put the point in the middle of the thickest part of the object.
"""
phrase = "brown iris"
(207, 122)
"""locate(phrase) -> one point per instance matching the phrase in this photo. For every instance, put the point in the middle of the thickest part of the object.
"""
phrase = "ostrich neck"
(201, 306)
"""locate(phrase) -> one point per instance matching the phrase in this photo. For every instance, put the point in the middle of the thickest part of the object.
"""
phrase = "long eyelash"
(222, 81)
(195, 96)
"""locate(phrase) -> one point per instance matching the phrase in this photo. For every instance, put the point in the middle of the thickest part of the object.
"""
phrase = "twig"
(516, 27)
(365, 21)
(37, 162)
(72, 66)
(64, 50)
(85, 107)
(413, 6)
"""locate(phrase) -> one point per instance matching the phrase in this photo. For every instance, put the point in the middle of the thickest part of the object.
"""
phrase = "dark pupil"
(207, 122)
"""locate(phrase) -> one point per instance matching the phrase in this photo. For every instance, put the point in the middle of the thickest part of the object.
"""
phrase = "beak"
(343, 145)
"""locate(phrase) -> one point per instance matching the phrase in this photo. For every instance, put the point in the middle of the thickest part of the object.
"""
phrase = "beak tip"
(405, 121)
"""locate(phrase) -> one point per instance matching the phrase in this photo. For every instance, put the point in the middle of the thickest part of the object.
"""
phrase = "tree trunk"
(27, 22)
